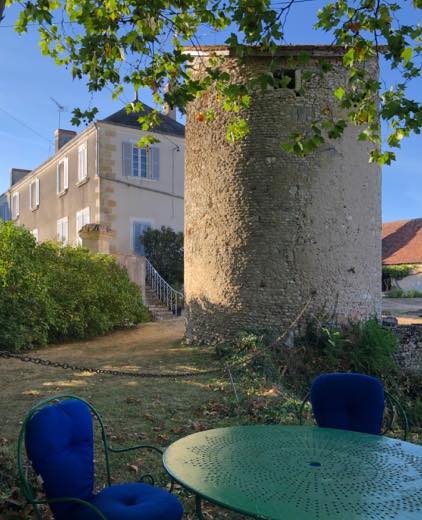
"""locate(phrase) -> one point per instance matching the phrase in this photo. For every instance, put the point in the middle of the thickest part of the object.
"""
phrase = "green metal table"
(300, 473)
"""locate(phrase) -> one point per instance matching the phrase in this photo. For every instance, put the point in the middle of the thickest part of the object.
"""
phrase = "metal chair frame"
(26, 487)
(392, 401)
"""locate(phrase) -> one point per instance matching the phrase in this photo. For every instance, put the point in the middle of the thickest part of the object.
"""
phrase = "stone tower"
(267, 232)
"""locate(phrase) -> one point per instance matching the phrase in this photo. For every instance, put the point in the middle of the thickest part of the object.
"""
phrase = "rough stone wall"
(410, 353)
(266, 231)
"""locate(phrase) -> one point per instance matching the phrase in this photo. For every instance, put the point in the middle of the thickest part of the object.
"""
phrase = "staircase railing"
(168, 296)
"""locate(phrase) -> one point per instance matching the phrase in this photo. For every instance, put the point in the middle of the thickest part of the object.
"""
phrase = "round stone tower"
(267, 233)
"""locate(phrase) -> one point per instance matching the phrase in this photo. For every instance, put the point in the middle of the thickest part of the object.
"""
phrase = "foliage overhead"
(51, 293)
(113, 43)
(164, 249)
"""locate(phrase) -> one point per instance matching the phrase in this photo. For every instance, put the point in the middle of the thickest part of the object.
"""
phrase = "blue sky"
(28, 80)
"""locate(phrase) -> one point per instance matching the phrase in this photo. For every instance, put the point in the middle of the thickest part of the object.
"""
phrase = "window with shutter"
(82, 162)
(155, 160)
(62, 176)
(34, 194)
(82, 218)
(127, 159)
(15, 205)
(63, 231)
(140, 162)
(138, 229)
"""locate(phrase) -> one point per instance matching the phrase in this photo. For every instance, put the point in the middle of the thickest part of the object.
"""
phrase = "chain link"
(76, 368)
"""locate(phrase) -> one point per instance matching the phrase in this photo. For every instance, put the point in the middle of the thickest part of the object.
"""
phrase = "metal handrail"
(171, 298)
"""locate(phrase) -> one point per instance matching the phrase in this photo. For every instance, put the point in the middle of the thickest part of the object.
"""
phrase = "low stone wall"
(410, 354)
(135, 266)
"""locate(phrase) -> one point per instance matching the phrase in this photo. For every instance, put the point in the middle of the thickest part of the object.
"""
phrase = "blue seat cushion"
(348, 401)
(132, 501)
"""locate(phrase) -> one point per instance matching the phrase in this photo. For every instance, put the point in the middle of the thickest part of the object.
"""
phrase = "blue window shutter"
(155, 155)
(138, 230)
(143, 162)
(127, 159)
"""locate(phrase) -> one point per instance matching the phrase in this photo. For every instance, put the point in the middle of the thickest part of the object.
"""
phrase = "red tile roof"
(402, 242)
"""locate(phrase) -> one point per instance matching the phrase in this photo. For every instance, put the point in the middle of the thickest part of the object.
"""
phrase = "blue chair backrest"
(348, 401)
(60, 445)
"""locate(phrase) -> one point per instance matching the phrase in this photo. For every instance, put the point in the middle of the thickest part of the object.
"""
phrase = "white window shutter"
(17, 204)
(66, 174)
(30, 195)
(155, 162)
(58, 177)
(127, 159)
(37, 192)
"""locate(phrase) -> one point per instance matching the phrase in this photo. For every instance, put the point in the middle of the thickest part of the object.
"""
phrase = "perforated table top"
(301, 473)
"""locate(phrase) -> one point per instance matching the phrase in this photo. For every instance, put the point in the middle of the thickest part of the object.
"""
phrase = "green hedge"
(397, 271)
(50, 293)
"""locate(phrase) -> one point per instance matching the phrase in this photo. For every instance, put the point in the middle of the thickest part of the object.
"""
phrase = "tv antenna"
(60, 108)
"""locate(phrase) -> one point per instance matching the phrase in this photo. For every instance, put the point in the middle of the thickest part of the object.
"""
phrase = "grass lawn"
(156, 411)
(136, 410)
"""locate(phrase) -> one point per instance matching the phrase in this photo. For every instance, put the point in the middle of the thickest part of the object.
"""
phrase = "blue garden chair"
(351, 401)
(59, 439)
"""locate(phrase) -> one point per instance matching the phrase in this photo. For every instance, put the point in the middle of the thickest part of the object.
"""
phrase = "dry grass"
(156, 411)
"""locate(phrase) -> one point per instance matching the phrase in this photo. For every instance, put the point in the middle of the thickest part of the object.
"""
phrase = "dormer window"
(34, 194)
(62, 176)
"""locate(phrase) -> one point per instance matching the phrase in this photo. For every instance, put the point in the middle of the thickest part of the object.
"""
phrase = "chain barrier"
(76, 368)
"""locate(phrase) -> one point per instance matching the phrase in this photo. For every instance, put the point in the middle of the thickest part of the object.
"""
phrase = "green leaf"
(407, 55)
(339, 93)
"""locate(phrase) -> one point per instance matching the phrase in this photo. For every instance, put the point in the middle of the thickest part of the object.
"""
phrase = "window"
(35, 234)
(286, 78)
(34, 194)
(141, 162)
(63, 231)
(4, 211)
(82, 218)
(138, 229)
(15, 205)
(82, 162)
(62, 176)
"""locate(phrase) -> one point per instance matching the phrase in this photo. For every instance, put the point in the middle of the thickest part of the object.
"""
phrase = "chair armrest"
(138, 447)
(301, 408)
(48, 501)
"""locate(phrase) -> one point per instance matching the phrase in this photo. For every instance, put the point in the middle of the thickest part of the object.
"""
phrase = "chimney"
(61, 137)
(16, 174)
(169, 111)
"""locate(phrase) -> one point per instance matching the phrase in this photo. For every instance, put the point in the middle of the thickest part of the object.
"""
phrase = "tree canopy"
(115, 43)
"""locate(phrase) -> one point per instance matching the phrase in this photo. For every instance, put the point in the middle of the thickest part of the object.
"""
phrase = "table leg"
(198, 508)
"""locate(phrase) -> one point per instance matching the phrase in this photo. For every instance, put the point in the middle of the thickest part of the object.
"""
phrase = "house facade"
(100, 176)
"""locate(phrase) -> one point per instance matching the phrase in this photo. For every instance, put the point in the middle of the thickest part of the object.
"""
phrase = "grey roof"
(167, 124)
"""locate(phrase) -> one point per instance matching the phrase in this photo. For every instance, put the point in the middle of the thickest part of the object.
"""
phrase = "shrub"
(357, 347)
(397, 272)
(50, 293)
(396, 292)
(164, 249)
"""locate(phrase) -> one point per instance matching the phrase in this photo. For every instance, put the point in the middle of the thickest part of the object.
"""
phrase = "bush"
(51, 293)
(397, 272)
(164, 249)
(358, 347)
(396, 292)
